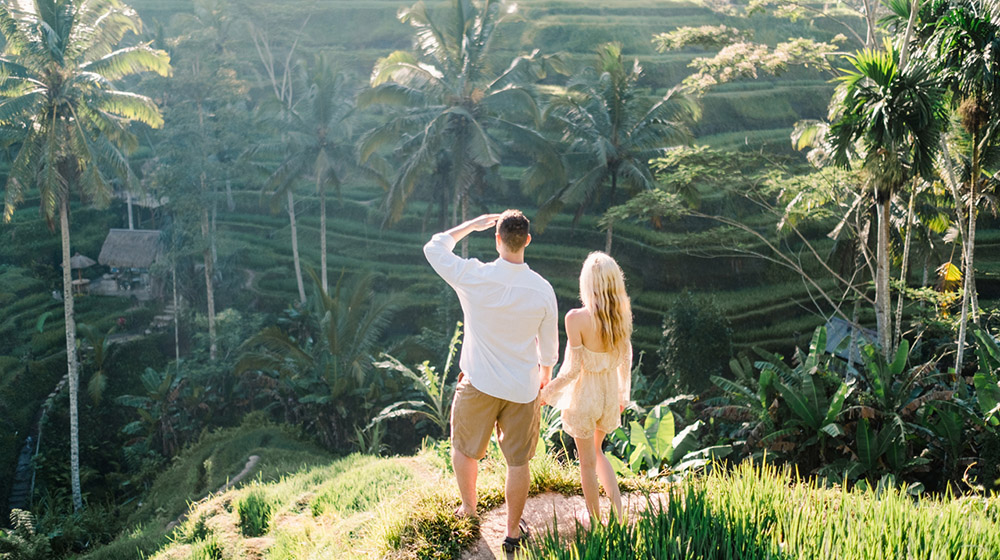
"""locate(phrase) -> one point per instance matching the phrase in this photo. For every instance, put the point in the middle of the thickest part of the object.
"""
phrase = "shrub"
(193, 530)
(209, 549)
(23, 542)
(696, 344)
(141, 543)
(255, 510)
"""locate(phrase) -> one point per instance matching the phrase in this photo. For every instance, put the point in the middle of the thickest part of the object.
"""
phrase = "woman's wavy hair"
(602, 291)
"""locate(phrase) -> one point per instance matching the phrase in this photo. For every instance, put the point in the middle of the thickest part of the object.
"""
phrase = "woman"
(594, 382)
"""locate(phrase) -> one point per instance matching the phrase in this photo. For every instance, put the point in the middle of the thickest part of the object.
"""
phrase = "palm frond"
(15, 110)
(130, 61)
(131, 106)
(512, 103)
(392, 94)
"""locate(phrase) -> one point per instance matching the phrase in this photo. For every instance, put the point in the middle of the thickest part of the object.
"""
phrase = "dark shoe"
(513, 544)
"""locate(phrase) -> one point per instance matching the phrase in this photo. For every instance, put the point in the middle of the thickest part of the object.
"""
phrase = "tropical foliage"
(469, 109)
(319, 358)
(459, 116)
(612, 132)
(70, 121)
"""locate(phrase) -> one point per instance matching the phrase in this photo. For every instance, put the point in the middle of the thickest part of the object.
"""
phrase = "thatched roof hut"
(130, 248)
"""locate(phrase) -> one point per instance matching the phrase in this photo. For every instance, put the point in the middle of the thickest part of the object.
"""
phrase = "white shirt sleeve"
(440, 254)
(548, 335)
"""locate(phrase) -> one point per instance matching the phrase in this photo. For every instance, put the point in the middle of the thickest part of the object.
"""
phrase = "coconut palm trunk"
(970, 269)
(611, 202)
(209, 288)
(322, 231)
(883, 303)
(969, 278)
(906, 261)
(904, 57)
(71, 362)
(295, 244)
(465, 217)
(177, 322)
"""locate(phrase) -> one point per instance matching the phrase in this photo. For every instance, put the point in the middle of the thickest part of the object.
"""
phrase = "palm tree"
(59, 102)
(458, 118)
(613, 132)
(323, 356)
(964, 48)
(317, 132)
(206, 135)
(891, 116)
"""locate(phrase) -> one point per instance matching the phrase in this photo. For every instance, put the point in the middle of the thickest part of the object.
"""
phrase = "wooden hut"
(131, 253)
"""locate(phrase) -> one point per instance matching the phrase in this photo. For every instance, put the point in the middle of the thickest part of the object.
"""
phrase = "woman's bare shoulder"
(578, 314)
(578, 318)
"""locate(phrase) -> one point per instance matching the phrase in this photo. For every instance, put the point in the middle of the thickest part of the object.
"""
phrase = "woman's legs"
(606, 473)
(588, 475)
(593, 466)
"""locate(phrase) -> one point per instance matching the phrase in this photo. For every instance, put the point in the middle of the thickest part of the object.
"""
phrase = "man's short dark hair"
(512, 227)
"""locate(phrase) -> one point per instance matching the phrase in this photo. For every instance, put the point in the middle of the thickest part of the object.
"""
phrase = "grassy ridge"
(365, 507)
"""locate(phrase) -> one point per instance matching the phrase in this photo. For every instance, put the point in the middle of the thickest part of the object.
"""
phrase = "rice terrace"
(477, 279)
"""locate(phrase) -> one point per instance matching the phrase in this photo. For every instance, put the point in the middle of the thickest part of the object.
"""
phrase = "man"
(511, 343)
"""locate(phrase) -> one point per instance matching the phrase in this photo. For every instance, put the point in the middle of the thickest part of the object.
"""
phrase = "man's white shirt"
(511, 321)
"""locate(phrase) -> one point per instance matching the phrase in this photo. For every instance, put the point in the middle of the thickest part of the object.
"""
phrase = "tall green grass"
(755, 512)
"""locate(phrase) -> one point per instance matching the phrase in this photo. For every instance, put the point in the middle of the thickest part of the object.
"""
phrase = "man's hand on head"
(484, 222)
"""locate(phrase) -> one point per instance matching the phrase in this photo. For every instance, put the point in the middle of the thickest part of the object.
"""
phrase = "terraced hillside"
(357, 33)
(766, 304)
(757, 113)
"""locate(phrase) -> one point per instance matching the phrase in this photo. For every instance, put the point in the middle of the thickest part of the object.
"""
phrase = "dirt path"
(542, 513)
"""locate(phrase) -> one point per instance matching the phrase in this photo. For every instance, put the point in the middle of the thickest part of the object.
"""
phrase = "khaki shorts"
(473, 415)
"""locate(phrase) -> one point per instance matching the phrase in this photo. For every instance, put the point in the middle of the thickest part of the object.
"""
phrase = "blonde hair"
(602, 291)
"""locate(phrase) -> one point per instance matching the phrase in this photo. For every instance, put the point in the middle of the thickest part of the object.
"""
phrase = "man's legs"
(518, 482)
(466, 472)
(518, 426)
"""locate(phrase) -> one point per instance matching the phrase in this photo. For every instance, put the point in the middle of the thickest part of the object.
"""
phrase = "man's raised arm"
(440, 249)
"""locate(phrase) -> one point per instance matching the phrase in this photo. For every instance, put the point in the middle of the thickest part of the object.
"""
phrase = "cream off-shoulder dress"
(590, 390)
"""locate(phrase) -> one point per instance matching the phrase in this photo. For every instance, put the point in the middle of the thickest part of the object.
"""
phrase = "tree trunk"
(905, 265)
(177, 322)
(442, 209)
(128, 201)
(904, 56)
(322, 233)
(71, 362)
(870, 22)
(927, 267)
(969, 285)
(295, 245)
(611, 203)
(211, 237)
(465, 217)
(854, 334)
(882, 297)
(209, 280)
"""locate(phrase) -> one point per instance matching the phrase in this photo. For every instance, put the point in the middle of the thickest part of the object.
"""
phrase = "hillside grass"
(758, 513)
(364, 506)
(306, 504)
